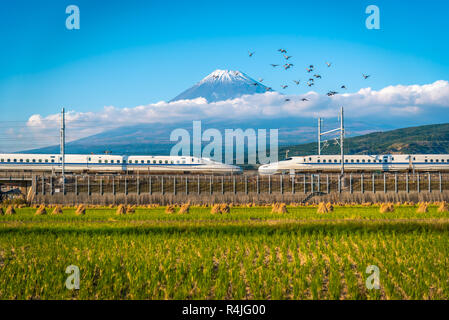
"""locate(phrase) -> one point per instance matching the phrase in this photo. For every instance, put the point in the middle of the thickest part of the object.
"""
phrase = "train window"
(89, 159)
(52, 160)
(27, 160)
(99, 161)
(183, 161)
(358, 160)
(172, 162)
(177, 161)
(335, 160)
(46, 160)
(310, 159)
(431, 160)
(363, 160)
(414, 158)
(160, 161)
(352, 160)
(385, 160)
(324, 160)
(105, 161)
(392, 158)
(318, 160)
(9, 160)
(154, 161)
(192, 159)
(425, 160)
(166, 161)
(369, 160)
(2, 160)
(148, 161)
(142, 161)
(346, 160)
(437, 160)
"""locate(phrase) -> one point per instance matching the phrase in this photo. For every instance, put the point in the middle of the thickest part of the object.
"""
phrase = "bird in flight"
(331, 93)
(268, 89)
(251, 53)
(310, 84)
(288, 65)
(328, 64)
(311, 79)
(343, 87)
(287, 57)
(274, 65)
(282, 50)
(317, 76)
(296, 81)
(309, 70)
(366, 76)
(284, 86)
(304, 99)
(287, 99)
(255, 84)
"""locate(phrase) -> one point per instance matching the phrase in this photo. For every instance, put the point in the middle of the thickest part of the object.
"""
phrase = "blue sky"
(139, 52)
(130, 53)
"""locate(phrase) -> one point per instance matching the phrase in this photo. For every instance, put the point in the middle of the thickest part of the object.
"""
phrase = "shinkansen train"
(332, 163)
(113, 163)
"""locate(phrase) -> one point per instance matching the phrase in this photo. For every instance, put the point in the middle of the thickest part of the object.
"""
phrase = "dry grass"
(279, 208)
(10, 210)
(422, 207)
(81, 210)
(224, 208)
(170, 209)
(57, 210)
(120, 210)
(220, 208)
(443, 207)
(321, 208)
(386, 207)
(41, 210)
(215, 209)
(130, 209)
(184, 208)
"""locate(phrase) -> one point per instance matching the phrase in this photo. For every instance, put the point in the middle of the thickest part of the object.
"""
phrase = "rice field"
(235, 253)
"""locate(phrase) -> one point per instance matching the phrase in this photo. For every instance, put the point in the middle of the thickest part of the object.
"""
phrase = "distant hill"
(423, 139)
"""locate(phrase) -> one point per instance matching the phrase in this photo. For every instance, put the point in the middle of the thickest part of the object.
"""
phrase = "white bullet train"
(113, 164)
(332, 163)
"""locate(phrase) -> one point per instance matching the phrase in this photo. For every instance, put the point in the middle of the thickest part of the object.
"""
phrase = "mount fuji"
(223, 85)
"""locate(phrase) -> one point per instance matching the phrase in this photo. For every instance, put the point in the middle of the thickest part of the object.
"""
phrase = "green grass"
(247, 254)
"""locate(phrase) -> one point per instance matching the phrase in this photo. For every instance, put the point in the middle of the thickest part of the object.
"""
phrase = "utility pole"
(342, 138)
(63, 149)
(341, 142)
(319, 136)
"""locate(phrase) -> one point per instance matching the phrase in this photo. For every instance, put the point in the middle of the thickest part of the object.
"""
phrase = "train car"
(113, 164)
(359, 163)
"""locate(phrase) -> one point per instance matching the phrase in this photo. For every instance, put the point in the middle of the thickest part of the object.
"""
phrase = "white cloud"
(407, 101)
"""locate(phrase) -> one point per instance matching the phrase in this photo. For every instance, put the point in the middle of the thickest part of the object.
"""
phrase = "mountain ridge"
(222, 85)
(433, 138)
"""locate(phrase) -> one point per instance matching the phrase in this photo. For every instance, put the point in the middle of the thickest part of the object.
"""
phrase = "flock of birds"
(309, 69)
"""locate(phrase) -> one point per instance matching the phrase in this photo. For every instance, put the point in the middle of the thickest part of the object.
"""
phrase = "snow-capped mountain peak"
(223, 85)
(227, 76)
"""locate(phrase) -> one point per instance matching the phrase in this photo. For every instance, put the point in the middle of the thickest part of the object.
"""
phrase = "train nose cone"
(235, 169)
(266, 169)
